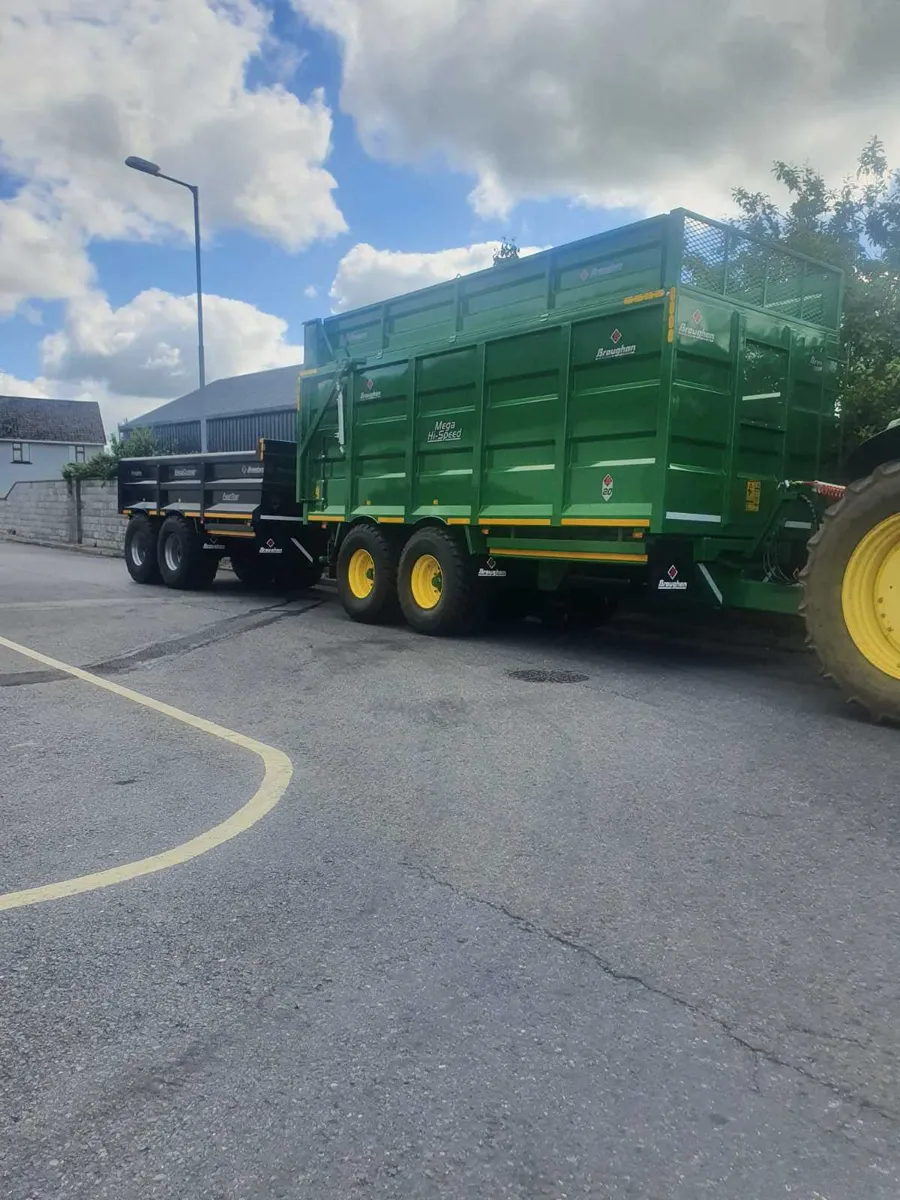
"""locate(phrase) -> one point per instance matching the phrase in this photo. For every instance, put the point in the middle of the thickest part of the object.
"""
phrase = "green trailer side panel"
(615, 404)
(753, 405)
(491, 423)
(667, 377)
(583, 275)
(524, 397)
(444, 443)
(378, 437)
(701, 417)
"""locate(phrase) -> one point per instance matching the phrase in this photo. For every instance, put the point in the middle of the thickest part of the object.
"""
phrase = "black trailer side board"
(238, 486)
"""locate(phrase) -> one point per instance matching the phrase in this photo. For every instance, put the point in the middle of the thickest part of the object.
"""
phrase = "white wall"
(47, 460)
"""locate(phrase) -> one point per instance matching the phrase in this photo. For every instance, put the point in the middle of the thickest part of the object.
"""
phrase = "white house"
(38, 437)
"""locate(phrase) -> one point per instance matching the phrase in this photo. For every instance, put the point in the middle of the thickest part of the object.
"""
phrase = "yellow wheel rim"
(871, 596)
(361, 574)
(426, 581)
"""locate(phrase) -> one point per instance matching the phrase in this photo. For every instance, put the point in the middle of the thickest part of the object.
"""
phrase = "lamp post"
(150, 168)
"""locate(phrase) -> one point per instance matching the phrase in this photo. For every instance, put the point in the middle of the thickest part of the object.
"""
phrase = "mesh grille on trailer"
(728, 263)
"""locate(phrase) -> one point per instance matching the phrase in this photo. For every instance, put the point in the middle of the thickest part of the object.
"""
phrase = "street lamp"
(150, 168)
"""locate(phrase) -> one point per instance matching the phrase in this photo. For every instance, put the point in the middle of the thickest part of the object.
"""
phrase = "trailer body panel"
(579, 407)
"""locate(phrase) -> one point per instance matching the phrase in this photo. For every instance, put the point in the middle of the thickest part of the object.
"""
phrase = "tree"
(507, 251)
(139, 443)
(855, 227)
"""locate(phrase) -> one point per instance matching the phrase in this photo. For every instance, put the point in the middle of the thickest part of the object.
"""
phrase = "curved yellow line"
(278, 772)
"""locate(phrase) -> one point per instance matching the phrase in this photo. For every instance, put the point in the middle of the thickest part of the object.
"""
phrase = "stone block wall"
(59, 512)
(40, 511)
(101, 527)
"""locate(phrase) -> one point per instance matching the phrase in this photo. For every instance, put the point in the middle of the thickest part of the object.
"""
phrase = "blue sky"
(441, 134)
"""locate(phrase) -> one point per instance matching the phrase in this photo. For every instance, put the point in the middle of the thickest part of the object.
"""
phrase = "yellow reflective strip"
(607, 522)
(642, 296)
(488, 522)
(577, 555)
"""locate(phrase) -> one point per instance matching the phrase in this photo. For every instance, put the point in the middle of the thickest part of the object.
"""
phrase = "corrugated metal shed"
(243, 431)
(262, 391)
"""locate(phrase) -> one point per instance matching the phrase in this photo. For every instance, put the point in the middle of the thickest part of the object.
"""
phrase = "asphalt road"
(633, 936)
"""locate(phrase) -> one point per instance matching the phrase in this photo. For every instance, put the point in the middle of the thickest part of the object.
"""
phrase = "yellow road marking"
(278, 772)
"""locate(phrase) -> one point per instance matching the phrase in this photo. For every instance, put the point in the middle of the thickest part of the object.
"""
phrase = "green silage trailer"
(651, 411)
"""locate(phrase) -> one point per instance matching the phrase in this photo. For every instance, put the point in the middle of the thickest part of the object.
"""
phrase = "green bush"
(105, 463)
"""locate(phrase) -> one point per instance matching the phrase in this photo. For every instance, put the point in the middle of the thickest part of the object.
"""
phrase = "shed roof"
(256, 392)
(36, 420)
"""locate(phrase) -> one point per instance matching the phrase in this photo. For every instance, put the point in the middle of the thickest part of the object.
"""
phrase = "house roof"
(34, 420)
(238, 394)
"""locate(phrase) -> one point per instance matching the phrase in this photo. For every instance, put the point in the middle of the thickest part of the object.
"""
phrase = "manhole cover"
(548, 676)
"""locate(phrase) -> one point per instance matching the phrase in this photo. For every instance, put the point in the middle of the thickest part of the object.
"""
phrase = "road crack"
(759, 1053)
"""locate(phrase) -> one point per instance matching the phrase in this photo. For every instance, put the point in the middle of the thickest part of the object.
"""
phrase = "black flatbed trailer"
(188, 511)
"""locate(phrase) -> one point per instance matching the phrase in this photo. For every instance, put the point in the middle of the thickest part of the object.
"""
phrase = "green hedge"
(105, 463)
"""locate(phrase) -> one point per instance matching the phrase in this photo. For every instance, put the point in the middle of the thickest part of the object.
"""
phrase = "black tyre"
(180, 554)
(367, 574)
(252, 569)
(851, 585)
(206, 570)
(140, 550)
(438, 585)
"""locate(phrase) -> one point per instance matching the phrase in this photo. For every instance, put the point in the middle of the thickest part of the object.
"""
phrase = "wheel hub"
(426, 581)
(173, 553)
(871, 596)
(361, 574)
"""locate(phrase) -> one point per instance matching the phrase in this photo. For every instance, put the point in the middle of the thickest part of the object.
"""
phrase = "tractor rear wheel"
(851, 585)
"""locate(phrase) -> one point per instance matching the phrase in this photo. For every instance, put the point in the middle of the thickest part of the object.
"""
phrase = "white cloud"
(11, 386)
(365, 275)
(41, 253)
(647, 103)
(311, 291)
(148, 347)
(489, 198)
(144, 353)
(87, 82)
